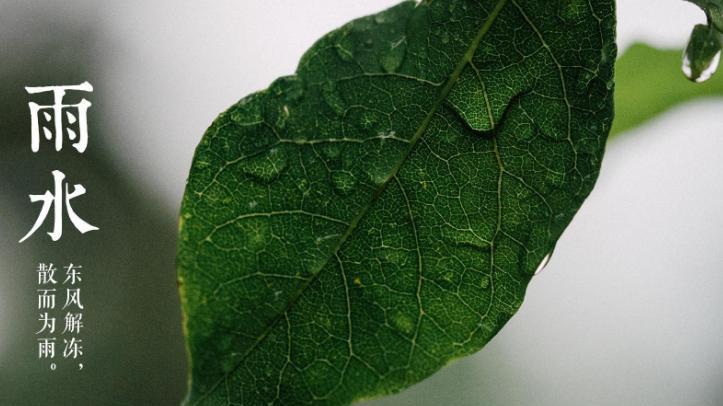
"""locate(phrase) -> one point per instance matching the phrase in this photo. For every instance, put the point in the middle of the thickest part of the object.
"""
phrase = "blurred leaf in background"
(648, 82)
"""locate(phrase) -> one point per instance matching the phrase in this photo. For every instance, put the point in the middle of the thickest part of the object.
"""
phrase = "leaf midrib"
(444, 92)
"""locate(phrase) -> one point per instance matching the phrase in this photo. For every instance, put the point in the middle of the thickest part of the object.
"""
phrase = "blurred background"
(628, 312)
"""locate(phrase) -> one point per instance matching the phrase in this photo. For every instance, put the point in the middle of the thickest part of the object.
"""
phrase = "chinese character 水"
(57, 201)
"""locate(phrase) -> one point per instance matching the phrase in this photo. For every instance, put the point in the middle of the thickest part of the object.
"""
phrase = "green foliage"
(648, 83)
(353, 228)
(713, 10)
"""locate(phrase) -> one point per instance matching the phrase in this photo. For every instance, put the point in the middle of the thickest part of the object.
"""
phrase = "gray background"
(628, 312)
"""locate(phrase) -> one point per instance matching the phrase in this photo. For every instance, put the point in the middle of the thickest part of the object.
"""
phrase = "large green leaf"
(649, 82)
(350, 230)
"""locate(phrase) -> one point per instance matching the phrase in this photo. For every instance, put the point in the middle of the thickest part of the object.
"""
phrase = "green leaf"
(713, 10)
(649, 82)
(353, 228)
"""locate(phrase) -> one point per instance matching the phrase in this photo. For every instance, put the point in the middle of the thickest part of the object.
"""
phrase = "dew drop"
(344, 182)
(199, 164)
(285, 113)
(543, 264)
(345, 49)
(445, 37)
(705, 74)
(279, 115)
(266, 168)
(402, 322)
(182, 221)
(291, 88)
(304, 187)
(573, 11)
(368, 120)
(332, 97)
(484, 282)
(702, 55)
(331, 151)
(394, 55)
(246, 111)
(377, 175)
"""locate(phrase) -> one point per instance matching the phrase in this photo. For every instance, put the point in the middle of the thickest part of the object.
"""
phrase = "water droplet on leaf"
(394, 55)
(278, 115)
(304, 186)
(344, 182)
(543, 264)
(285, 113)
(345, 49)
(331, 151)
(267, 167)
(199, 164)
(368, 120)
(377, 175)
(484, 282)
(573, 11)
(291, 88)
(445, 37)
(402, 322)
(332, 97)
(702, 54)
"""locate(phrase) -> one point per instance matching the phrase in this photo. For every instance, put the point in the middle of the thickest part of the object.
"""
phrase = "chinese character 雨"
(46, 347)
(57, 201)
(73, 112)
